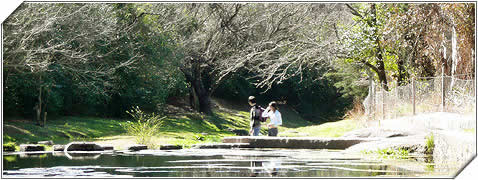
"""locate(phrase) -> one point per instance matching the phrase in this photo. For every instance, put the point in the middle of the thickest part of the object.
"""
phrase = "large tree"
(78, 40)
(216, 40)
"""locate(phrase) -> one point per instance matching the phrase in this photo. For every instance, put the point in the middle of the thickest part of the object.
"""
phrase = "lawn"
(185, 129)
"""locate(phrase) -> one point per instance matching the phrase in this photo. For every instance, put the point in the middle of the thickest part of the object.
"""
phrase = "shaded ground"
(183, 126)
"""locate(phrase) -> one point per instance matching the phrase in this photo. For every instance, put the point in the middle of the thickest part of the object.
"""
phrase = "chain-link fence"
(423, 95)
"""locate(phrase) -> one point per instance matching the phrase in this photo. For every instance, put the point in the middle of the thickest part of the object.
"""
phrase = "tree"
(215, 40)
(74, 39)
(363, 41)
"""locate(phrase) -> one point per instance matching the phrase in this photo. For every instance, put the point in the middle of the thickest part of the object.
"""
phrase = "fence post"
(413, 95)
(383, 104)
(373, 100)
(443, 88)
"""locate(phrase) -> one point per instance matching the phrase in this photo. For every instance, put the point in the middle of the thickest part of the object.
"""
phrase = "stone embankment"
(454, 137)
(412, 141)
(295, 142)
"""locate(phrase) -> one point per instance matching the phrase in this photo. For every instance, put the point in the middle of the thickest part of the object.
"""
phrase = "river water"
(208, 163)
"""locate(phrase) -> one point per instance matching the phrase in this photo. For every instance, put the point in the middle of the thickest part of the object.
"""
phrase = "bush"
(9, 147)
(144, 127)
(430, 144)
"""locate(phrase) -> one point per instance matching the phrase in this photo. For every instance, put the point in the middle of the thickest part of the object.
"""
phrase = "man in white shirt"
(276, 119)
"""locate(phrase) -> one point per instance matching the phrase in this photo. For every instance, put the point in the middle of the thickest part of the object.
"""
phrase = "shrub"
(9, 146)
(144, 126)
(430, 144)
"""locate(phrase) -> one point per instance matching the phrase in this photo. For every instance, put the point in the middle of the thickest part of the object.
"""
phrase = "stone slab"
(58, 147)
(137, 147)
(295, 142)
(107, 147)
(221, 145)
(45, 142)
(170, 147)
(31, 147)
(83, 146)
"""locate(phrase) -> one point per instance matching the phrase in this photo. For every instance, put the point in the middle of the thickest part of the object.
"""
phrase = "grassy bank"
(184, 128)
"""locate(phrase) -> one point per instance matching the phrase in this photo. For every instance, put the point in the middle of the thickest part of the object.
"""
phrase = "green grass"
(184, 129)
(62, 130)
(330, 129)
(471, 130)
(389, 153)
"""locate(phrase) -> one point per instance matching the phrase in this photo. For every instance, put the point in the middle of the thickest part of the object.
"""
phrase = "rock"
(239, 132)
(31, 147)
(45, 142)
(137, 147)
(453, 149)
(108, 147)
(295, 142)
(377, 133)
(58, 147)
(221, 146)
(83, 146)
(204, 134)
(413, 144)
(170, 147)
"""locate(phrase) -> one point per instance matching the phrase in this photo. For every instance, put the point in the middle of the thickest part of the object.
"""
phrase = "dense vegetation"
(103, 59)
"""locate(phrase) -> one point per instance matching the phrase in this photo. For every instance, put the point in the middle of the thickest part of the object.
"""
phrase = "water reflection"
(200, 163)
(255, 168)
(272, 167)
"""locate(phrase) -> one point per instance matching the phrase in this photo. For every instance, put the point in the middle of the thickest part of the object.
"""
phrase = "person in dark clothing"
(254, 117)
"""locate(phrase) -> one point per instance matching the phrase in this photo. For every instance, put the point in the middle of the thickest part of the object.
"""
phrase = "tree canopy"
(102, 59)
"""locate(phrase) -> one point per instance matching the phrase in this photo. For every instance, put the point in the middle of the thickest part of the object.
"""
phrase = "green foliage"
(11, 146)
(144, 126)
(389, 153)
(430, 144)
(316, 99)
(7, 138)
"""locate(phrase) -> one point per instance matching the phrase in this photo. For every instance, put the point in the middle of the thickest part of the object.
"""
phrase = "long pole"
(413, 95)
(443, 88)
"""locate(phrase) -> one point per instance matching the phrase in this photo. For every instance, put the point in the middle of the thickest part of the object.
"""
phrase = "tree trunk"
(39, 107)
(199, 91)
(380, 65)
(401, 73)
(203, 96)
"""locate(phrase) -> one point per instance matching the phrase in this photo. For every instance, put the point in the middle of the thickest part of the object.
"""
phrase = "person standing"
(276, 119)
(255, 116)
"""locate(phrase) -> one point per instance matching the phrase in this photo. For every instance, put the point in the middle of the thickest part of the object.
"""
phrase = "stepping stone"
(83, 146)
(170, 147)
(296, 142)
(45, 142)
(137, 147)
(8, 148)
(108, 147)
(58, 147)
(31, 147)
(221, 146)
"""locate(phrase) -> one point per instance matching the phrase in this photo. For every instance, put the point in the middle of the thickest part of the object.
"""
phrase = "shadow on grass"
(63, 129)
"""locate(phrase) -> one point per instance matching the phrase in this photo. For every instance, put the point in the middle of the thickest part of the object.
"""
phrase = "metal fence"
(423, 95)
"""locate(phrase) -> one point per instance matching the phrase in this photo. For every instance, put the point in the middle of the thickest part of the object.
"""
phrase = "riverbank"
(181, 127)
(447, 140)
